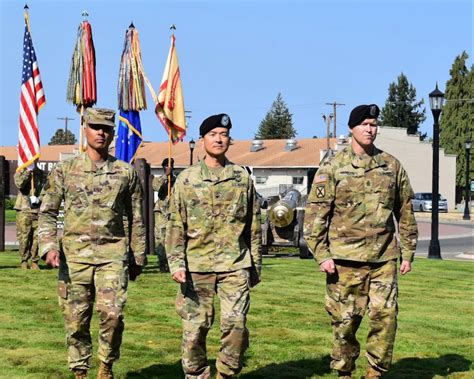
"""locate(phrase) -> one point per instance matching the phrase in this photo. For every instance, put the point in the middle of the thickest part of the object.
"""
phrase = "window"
(298, 179)
(261, 179)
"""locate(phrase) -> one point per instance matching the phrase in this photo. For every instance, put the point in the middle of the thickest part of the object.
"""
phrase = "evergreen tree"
(457, 117)
(401, 109)
(278, 123)
(63, 138)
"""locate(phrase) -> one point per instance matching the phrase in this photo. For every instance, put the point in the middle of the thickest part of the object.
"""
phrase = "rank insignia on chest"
(320, 191)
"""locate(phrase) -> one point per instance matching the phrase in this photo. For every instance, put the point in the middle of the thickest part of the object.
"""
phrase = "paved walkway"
(456, 228)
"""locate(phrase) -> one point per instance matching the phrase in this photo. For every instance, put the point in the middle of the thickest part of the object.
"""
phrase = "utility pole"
(334, 105)
(66, 119)
(328, 128)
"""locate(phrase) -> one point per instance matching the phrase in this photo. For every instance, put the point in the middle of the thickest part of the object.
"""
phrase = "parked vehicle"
(422, 202)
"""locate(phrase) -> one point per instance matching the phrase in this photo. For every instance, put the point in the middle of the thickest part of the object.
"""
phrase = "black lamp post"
(192, 144)
(436, 105)
(466, 216)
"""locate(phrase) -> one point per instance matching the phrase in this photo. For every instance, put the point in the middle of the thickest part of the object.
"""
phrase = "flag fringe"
(132, 77)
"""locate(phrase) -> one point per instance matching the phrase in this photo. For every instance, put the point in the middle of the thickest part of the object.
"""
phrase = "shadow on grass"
(428, 368)
(158, 371)
(303, 368)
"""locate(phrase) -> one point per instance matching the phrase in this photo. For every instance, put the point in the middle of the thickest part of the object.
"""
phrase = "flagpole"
(172, 28)
(27, 21)
(82, 147)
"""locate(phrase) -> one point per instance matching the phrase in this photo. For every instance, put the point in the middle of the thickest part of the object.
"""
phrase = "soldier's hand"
(179, 276)
(405, 267)
(134, 271)
(52, 258)
(328, 267)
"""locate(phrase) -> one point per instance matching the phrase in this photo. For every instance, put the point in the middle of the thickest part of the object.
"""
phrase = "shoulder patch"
(321, 191)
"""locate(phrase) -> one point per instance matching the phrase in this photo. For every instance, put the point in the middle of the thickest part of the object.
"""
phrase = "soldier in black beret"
(213, 246)
(365, 193)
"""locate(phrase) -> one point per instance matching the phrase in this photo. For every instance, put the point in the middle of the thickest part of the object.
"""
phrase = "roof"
(273, 154)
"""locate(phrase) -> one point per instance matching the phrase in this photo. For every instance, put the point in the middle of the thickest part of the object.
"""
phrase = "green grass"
(10, 215)
(289, 329)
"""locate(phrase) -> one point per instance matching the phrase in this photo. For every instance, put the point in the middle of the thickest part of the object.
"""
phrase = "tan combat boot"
(344, 375)
(373, 373)
(80, 374)
(105, 371)
(24, 265)
(34, 266)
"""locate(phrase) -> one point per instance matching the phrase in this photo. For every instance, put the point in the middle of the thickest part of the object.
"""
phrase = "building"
(280, 164)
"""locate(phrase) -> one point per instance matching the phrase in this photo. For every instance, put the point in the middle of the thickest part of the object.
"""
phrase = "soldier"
(356, 200)
(95, 261)
(29, 181)
(160, 185)
(213, 242)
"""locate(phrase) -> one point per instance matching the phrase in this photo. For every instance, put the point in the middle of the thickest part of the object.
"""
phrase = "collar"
(89, 165)
(227, 172)
(365, 161)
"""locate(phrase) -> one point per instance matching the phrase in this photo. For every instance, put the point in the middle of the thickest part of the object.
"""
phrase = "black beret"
(217, 121)
(362, 112)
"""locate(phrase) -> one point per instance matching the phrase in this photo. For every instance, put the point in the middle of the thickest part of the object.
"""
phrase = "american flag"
(32, 100)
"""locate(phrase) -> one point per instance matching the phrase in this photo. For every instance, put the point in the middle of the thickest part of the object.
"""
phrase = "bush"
(10, 202)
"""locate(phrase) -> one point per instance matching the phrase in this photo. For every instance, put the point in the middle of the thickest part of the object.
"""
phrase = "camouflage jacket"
(96, 201)
(353, 206)
(214, 225)
(160, 185)
(23, 181)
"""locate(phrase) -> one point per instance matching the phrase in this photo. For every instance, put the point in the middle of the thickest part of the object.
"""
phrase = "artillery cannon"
(284, 224)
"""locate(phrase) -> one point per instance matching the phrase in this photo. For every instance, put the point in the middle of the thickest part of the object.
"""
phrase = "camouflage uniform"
(350, 217)
(94, 249)
(214, 234)
(160, 185)
(27, 213)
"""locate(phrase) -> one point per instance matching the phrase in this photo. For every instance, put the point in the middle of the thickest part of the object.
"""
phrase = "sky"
(236, 56)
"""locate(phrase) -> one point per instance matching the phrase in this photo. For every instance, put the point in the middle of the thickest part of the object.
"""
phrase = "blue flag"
(129, 136)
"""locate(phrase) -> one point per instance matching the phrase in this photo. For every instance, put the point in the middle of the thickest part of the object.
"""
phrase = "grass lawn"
(289, 328)
(10, 215)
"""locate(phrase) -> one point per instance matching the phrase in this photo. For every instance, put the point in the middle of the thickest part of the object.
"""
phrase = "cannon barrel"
(281, 214)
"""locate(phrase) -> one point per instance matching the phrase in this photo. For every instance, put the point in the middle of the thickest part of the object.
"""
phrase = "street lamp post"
(466, 216)
(436, 105)
(192, 144)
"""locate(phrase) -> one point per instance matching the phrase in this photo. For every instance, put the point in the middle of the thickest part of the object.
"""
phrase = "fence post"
(151, 215)
(3, 183)
(141, 167)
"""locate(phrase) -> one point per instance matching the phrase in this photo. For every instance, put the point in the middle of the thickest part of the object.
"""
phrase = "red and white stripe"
(32, 100)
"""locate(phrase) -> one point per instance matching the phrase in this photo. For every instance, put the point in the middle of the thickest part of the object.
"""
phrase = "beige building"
(279, 164)
(417, 158)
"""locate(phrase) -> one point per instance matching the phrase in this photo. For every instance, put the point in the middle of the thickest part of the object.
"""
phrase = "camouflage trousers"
(195, 305)
(160, 232)
(79, 286)
(27, 235)
(350, 291)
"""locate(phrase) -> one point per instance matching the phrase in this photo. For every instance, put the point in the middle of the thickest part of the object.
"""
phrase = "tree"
(401, 109)
(63, 138)
(278, 123)
(457, 117)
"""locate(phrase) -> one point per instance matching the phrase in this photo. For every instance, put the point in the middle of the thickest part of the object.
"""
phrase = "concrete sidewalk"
(451, 225)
